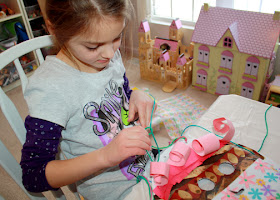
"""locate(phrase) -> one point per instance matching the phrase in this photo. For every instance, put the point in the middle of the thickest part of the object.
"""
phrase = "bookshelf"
(29, 15)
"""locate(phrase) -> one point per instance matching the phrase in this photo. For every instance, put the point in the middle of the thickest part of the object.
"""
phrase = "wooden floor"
(10, 191)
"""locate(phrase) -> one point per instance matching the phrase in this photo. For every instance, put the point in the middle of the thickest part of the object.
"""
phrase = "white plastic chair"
(7, 161)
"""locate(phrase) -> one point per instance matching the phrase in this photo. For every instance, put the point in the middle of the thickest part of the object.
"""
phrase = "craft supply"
(164, 180)
(139, 178)
(179, 154)
(160, 173)
(266, 127)
(206, 144)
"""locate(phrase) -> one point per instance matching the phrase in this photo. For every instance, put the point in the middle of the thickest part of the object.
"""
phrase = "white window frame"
(144, 10)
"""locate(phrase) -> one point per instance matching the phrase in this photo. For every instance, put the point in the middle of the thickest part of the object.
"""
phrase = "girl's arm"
(42, 172)
(126, 87)
(40, 147)
(140, 104)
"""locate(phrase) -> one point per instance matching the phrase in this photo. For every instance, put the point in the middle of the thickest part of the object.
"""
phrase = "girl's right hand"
(129, 142)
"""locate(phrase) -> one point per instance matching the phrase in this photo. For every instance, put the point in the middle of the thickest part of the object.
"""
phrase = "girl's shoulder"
(51, 74)
(51, 69)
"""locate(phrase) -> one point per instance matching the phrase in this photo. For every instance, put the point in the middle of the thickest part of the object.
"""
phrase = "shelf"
(15, 83)
(10, 17)
(30, 19)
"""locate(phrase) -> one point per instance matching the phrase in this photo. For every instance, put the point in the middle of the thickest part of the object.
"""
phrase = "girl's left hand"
(141, 105)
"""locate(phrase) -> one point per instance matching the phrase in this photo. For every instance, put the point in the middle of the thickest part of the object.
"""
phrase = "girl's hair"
(69, 18)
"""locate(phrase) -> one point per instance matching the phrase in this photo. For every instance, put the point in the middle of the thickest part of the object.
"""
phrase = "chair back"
(7, 161)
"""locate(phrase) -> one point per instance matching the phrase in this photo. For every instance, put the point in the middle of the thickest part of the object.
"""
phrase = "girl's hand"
(129, 142)
(140, 104)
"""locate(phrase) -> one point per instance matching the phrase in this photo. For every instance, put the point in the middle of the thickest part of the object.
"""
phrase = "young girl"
(76, 100)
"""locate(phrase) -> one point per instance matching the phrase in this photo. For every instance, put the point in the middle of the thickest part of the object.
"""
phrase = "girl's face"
(93, 50)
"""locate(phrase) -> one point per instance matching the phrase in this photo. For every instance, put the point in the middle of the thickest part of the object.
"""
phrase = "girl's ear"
(49, 27)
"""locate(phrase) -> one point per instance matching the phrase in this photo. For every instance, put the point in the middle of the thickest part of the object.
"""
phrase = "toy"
(232, 53)
(2, 14)
(5, 11)
(273, 95)
(164, 60)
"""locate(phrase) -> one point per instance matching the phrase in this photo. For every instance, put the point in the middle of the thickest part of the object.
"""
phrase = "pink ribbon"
(160, 173)
(183, 159)
(179, 154)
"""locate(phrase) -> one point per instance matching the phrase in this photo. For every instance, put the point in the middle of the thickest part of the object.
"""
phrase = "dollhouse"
(234, 51)
(163, 60)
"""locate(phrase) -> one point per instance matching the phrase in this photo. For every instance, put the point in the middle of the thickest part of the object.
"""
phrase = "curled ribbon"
(210, 142)
(160, 173)
(179, 154)
(200, 150)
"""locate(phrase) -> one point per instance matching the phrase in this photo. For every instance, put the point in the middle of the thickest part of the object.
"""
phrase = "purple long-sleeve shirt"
(41, 147)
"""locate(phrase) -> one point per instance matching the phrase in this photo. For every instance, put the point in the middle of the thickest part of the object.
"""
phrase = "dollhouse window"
(226, 62)
(228, 42)
(251, 69)
(201, 79)
(247, 90)
(164, 47)
(203, 56)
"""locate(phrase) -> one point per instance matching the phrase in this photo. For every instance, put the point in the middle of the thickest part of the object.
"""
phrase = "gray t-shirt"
(90, 107)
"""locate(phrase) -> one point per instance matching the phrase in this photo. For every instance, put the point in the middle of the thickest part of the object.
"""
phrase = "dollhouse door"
(223, 85)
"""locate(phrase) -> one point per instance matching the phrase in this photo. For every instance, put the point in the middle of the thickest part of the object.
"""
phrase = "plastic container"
(39, 32)
(33, 11)
(9, 42)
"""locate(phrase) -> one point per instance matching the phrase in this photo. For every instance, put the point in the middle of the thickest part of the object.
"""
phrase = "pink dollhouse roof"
(144, 26)
(164, 56)
(181, 60)
(254, 33)
(176, 24)
(160, 41)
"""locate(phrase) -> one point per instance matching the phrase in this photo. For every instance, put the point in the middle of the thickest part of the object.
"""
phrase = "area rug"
(177, 112)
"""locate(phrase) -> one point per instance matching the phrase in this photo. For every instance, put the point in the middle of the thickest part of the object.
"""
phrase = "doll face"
(94, 49)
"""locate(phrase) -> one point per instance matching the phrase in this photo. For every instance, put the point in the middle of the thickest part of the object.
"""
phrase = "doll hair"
(69, 18)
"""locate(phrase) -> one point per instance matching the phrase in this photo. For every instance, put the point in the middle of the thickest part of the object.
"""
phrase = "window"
(251, 69)
(203, 56)
(247, 90)
(188, 10)
(201, 80)
(228, 42)
(226, 62)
